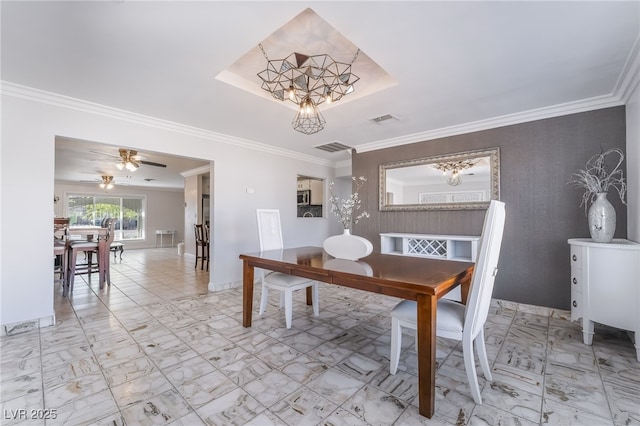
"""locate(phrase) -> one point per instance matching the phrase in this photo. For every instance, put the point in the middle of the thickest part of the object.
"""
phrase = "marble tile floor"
(157, 348)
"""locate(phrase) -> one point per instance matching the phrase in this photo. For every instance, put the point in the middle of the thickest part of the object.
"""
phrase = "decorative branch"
(596, 178)
(345, 208)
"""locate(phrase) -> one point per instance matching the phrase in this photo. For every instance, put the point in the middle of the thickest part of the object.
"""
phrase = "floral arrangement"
(345, 208)
(596, 178)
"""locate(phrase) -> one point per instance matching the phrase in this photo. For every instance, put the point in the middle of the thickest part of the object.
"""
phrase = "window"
(90, 210)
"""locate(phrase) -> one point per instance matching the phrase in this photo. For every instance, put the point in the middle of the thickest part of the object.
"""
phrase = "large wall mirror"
(464, 180)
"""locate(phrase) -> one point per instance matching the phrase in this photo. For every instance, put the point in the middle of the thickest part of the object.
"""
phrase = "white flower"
(345, 208)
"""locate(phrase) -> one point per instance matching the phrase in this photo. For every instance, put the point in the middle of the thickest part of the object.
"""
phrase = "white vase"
(602, 219)
(347, 246)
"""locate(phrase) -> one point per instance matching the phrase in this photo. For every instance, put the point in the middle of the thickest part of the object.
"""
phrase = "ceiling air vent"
(383, 118)
(334, 147)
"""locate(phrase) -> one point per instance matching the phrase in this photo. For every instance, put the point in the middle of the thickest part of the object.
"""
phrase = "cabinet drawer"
(576, 305)
(576, 279)
(576, 257)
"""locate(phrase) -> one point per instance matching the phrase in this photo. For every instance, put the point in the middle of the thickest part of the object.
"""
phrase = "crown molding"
(628, 80)
(630, 75)
(495, 122)
(197, 171)
(41, 96)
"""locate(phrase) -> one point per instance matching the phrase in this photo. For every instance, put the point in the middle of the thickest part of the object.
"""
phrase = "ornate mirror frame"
(489, 159)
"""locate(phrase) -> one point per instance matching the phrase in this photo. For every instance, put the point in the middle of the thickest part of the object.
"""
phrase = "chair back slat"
(269, 229)
(110, 224)
(485, 270)
(199, 230)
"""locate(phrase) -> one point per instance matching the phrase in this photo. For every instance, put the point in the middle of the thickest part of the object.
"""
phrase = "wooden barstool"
(202, 247)
(104, 249)
(100, 246)
(73, 248)
(60, 235)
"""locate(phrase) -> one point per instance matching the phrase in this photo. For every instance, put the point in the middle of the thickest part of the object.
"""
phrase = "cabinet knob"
(574, 257)
(575, 304)
(574, 280)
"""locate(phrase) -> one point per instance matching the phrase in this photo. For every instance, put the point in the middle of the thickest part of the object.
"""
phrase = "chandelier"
(308, 81)
(308, 120)
(455, 167)
(106, 182)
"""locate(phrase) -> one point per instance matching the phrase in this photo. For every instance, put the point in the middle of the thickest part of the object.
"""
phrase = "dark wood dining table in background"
(424, 280)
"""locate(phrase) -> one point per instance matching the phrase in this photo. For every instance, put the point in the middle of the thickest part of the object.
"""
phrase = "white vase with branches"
(596, 179)
(346, 208)
(347, 246)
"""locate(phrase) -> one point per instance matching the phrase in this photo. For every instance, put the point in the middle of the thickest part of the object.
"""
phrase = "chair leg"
(482, 355)
(102, 268)
(316, 300)
(196, 265)
(396, 345)
(106, 265)
(263, 299)
(470, 367)
(288, 306)
(71, 272)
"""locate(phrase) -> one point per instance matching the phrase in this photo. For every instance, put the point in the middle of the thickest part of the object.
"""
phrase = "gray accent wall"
(537, 160)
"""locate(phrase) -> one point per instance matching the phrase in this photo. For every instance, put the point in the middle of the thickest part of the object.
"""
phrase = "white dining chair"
(270, 236)
(455, 320)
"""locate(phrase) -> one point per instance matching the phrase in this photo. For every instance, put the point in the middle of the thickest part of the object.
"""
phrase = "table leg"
(426, 316)
(247, 293)
(465, 286)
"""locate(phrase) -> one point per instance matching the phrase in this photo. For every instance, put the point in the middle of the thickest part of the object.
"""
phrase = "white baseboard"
(533, 309)
(24, 326)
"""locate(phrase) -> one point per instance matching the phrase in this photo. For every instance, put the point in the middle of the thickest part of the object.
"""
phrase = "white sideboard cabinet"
(605, 286)
(447, 247)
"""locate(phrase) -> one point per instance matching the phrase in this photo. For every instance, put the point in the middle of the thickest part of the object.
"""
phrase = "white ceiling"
(455, 65)
(84, 162)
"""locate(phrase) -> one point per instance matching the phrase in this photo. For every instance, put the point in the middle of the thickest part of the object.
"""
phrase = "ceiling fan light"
(106, 182)
(120, 166)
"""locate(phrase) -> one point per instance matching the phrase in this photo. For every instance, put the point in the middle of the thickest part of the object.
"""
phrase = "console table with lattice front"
(447, 247)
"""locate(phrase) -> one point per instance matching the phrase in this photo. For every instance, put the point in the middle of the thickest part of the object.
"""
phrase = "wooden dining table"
(424, 280)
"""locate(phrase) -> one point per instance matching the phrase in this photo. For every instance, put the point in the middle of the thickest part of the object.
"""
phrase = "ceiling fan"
(130, 160)
(107, 181)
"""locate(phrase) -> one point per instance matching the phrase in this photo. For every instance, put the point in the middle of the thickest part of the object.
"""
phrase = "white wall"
(29, 128)
(191, 202)
(633, 165)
